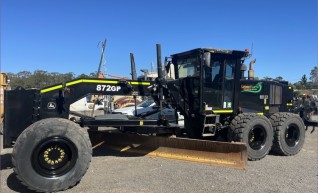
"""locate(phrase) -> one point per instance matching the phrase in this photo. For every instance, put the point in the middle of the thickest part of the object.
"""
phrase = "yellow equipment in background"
(3, 86)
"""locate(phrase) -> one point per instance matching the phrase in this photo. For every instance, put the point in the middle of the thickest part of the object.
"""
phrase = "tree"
(83, 76)
(266, 78)
(314, 75)
(303, 81)
(20, 79)
(38, 79)
(24, 74)
(68, 76)
(279, 78)
(93, 74)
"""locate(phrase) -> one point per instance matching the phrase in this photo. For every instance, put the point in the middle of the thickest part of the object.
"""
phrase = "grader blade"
(233, 155)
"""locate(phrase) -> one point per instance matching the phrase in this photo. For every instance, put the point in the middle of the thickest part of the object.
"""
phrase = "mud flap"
(233, 155)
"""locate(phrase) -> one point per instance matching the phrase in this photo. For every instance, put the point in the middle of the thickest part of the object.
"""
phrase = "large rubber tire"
(289, 133)
(51, 155)
(256, 131)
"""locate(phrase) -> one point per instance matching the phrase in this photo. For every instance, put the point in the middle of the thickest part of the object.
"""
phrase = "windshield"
(187, 67)
(146, 103)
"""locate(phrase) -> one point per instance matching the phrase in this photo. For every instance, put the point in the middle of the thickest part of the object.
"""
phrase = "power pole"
(101, 57)
(98, 71)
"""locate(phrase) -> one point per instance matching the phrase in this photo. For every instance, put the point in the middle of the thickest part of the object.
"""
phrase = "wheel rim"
(54, 157)
(257, 137)
(292, 134)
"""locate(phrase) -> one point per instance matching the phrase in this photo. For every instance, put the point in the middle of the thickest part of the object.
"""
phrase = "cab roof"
(238, 53)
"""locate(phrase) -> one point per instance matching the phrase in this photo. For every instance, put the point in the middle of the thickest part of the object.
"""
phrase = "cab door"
(218, 83)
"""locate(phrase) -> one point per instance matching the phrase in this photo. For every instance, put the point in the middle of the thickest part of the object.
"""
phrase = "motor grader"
(52, 152)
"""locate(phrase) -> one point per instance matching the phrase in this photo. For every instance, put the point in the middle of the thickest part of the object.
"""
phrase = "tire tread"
(25, 136)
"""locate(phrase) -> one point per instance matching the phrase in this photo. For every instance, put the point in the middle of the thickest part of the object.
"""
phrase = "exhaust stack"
(251, 70)
(133, 67)
(243, 69)
(160, 76)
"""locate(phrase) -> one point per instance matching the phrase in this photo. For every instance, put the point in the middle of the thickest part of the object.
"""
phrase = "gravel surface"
(115, 173)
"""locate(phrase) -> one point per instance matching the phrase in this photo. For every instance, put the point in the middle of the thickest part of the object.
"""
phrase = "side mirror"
(207, 59)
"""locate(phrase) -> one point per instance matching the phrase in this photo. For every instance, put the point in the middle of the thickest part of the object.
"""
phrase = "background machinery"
(3, 87)
(52, 153)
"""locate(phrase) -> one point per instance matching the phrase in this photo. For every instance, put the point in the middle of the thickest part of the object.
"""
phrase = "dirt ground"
(112, 173)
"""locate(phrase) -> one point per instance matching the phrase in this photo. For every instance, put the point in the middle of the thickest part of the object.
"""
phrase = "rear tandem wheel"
(289, 136)
(255, 130)
(51, 155)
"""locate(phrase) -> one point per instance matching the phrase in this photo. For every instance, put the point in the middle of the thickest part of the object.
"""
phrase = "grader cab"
(216, 99)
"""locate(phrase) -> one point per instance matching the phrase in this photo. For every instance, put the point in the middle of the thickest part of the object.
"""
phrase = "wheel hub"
(54, 157)
(292, 134)
(257, 138)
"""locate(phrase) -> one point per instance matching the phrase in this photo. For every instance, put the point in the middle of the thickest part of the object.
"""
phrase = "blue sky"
(62, 36)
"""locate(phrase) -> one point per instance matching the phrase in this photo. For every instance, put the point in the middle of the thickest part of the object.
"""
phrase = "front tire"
(256, 131)
(51, 155)
(289, 134)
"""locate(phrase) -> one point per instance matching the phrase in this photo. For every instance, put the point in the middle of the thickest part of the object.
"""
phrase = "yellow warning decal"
(51, 88)
(223, 111)
(140, 83)
(105, 82)
(92, 81)
(101, 81)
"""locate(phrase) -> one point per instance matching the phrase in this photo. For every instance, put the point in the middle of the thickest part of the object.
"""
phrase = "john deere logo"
(252, 88)
(51, 105)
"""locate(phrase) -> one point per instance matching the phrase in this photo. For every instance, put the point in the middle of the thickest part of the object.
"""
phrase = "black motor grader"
(52, 152)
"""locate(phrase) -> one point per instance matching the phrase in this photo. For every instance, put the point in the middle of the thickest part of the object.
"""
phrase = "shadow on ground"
(6, 161)
(14, 184)
(12, 181)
